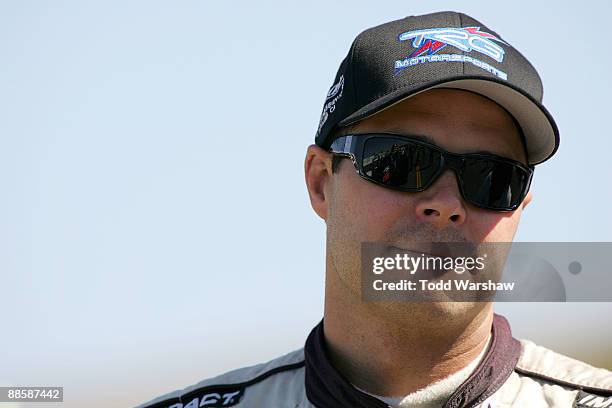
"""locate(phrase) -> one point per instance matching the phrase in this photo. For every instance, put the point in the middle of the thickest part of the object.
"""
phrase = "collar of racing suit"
(327, 388)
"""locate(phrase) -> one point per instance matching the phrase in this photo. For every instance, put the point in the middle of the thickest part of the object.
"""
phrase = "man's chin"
(434, 312)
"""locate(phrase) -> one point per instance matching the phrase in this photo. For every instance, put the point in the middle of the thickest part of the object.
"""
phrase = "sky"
(155, 229)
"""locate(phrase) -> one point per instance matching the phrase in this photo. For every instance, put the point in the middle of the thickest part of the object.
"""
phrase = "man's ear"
(526, 200)
(318, 172)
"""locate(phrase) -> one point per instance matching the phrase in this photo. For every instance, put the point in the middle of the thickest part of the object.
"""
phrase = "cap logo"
(428, 42)
(334, 93)
(466, 39)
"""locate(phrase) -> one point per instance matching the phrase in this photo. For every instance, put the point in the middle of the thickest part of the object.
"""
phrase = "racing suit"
(512, 373)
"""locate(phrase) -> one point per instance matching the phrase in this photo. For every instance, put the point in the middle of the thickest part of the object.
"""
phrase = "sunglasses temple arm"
(342, 144)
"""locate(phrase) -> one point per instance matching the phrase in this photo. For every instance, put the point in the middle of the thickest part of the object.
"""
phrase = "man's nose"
(441, 204)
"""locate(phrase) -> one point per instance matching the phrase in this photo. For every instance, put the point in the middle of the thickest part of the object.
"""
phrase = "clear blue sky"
(155, 228)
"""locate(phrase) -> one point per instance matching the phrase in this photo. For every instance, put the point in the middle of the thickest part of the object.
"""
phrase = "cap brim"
(541, 132)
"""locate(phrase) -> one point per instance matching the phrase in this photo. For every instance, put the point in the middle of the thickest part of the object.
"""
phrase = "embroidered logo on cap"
(334, 93)
(466, 39)
(428, 42)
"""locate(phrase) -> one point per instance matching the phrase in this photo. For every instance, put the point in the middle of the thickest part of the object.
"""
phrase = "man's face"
(457, 121)
(356, 210)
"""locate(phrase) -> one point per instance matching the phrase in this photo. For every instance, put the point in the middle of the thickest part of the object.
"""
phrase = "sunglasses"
(409, 164)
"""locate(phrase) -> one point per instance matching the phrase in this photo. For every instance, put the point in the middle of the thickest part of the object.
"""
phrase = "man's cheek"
(383, 214)
(494, 227)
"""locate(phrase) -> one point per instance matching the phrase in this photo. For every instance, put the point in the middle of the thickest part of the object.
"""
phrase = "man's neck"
(401, 350)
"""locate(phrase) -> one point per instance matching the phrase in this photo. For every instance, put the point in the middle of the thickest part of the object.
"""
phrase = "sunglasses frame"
(351, 146)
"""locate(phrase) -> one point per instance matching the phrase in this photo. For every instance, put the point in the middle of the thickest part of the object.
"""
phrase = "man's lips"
(423, 272)
(419, 252)
(438, 250)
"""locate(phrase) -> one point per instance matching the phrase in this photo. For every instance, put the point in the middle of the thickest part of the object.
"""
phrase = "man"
(429, 133)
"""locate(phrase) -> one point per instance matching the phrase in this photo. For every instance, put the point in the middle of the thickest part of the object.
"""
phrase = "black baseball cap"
(399, 59)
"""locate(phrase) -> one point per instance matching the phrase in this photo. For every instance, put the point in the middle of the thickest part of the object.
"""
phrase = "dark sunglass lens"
(399, 163)
(493, 184)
